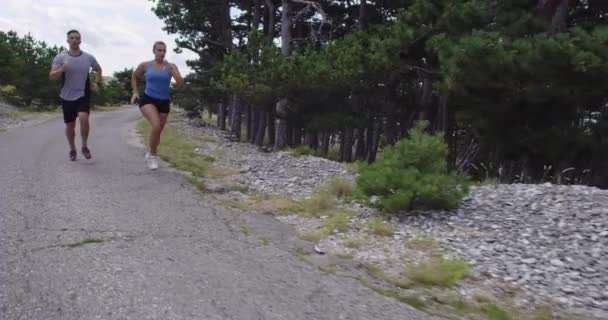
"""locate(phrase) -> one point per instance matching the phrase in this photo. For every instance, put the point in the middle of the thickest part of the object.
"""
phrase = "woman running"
(155, 103)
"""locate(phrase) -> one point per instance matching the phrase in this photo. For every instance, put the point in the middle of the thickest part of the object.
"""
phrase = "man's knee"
(70, 125)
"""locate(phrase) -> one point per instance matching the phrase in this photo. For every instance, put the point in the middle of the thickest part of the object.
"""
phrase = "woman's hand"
(135, 98)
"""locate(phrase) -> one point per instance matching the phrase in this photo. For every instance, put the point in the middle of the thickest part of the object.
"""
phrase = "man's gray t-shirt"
(76, 73)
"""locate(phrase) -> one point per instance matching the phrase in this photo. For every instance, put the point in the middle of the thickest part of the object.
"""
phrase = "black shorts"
(72, 108)
(163, 106)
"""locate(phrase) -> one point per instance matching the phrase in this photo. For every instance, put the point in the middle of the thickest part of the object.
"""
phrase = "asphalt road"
(108, 239)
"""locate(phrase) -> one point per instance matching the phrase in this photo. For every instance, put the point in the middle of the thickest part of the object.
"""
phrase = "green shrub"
(414, 174)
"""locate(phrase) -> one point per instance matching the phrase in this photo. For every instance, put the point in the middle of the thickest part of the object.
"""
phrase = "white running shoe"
(152, 162)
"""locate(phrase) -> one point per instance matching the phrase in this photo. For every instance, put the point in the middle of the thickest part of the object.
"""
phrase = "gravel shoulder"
(528, 245)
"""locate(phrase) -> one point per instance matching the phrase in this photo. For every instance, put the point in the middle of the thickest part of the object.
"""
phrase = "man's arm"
(58, 67)
(98, 74)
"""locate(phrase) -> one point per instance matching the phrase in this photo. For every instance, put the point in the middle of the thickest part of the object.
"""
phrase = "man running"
(73, 68)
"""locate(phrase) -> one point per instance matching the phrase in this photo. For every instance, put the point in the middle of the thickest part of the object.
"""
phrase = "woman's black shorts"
(163, 106)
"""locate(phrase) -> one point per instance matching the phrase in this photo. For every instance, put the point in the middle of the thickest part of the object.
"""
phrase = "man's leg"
(69, 117)
(84, 127)
(70, 133)
(84, 107)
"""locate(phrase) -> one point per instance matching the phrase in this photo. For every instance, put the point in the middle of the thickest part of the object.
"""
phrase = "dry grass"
(380, 227)
(339, 187)
(438, 272)
(422, 243)
(220, 172)
(353, 243)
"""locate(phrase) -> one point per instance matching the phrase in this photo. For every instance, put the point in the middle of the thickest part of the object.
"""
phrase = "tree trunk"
(558, 23)
(297, 136)
(360, 150)
(363, 15)
(257, 14)
(262, 120)
(348, 144)
(255, 124)
(271, 123)
(235, 119)
(281, 138)
(373, 149)
(221, 116)
(325, 143)
(442, 114)
(425, 96)
(312, 140)
(390, 130)
(269, 23)
(281, 107)
(250, 129)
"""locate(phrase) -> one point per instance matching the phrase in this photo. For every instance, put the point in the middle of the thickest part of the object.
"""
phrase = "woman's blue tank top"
(158, 83)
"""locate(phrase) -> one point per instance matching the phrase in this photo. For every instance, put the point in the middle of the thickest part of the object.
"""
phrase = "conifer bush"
(414, 175)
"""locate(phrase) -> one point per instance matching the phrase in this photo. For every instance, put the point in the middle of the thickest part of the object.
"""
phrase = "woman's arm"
(176, 75)
(139, 71)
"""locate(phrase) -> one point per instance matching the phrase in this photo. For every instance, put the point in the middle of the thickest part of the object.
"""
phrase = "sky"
(119, 33)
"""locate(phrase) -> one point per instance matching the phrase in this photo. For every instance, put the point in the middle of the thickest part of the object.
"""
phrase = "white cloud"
(120, 33)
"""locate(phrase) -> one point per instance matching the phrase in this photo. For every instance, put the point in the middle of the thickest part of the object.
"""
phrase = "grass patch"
(356, 166)
(328, 269)
(438, 272)
(302, 151)
(84, 242)
(422, 243)
(403, 283)
(318, 204)
(197, 182)
(237, 204)
(220, 172)
(494, 312)
(237, 187)
(339, 187)
(380, 227)
(244, 227)
(338, 221)
(313, 236)
(459, 303)
(411, 300)
(264, 241)
(377, 272)
(345, 256)
(353, 243)
(177, 151)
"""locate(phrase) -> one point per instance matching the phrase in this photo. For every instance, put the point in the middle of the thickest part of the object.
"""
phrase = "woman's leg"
(151, 114)
(163, 120)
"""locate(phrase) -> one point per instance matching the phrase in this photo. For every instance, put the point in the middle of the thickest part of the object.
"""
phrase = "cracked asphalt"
(108, 239)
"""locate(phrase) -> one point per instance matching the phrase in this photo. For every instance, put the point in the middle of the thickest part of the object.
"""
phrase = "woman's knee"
(156, 128)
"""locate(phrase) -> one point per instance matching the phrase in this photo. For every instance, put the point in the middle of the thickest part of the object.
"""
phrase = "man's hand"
(57, 72)
(135, 98)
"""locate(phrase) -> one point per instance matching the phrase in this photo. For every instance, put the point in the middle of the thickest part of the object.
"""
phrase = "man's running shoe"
(86, 152)
(72, 155)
